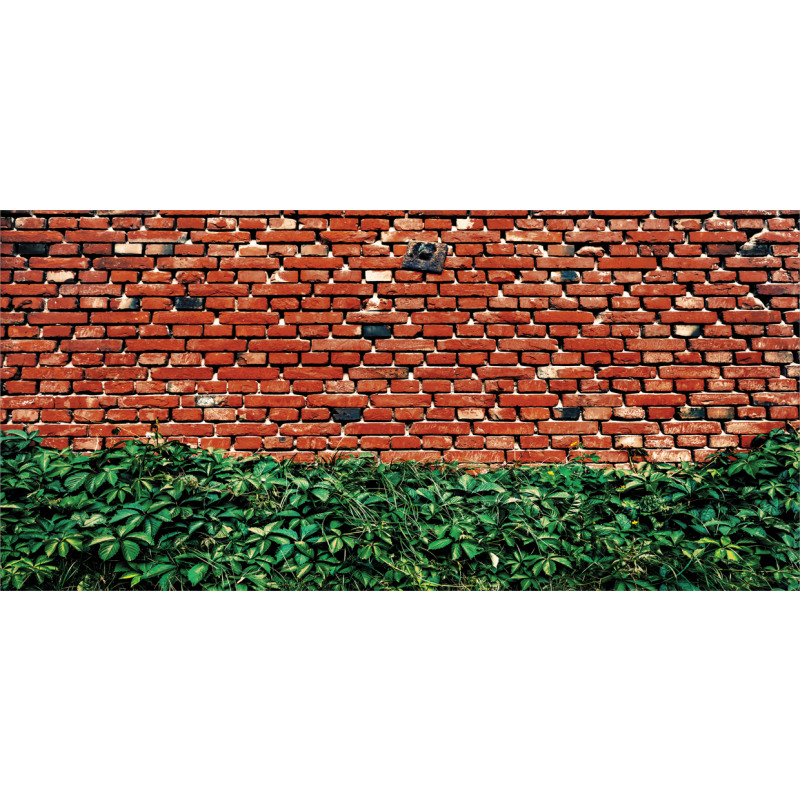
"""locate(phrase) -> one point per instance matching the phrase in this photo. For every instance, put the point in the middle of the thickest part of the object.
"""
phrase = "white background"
(401, 105)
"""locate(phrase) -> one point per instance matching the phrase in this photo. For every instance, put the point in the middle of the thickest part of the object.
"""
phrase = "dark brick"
(346, 414)
(376, 331)
(754, 250)
(189, 303)
(566, 413)
(28, 249)
(566, 276)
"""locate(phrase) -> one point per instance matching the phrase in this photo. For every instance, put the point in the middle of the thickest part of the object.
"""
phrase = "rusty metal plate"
(425, 256)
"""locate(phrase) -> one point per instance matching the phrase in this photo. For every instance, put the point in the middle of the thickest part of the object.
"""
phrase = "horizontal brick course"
(299, 332)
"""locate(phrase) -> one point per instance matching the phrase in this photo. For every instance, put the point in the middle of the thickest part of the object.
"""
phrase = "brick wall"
(675, 331)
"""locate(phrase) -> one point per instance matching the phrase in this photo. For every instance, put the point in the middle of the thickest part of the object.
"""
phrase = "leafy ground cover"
(161, 515)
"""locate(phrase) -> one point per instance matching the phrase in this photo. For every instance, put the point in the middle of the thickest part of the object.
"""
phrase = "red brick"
(480, 360)
(656, 399)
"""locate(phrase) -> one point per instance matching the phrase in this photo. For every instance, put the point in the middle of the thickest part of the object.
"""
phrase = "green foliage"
(160, 515)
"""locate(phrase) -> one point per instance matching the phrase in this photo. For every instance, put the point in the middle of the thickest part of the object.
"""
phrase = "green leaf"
(108, 549)
(75, 480)
(623, 523)
(143, 536)
(470, 549)
(439, 544)
(157, 569)
(130, 550)
(358, 524)
(196, 573)
(284, 550)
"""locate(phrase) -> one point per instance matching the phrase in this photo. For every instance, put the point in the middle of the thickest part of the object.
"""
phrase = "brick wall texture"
(299, 333)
